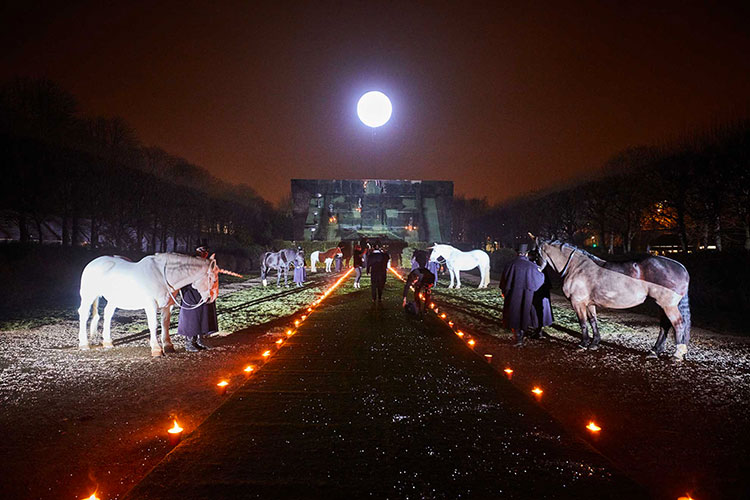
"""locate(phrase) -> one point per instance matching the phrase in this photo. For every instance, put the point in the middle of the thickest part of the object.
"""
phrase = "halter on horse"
(281, 261)
(457, 261)
(589, 281)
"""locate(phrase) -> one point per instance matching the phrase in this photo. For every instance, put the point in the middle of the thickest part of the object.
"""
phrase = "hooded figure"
(520, 279)
(541, 301)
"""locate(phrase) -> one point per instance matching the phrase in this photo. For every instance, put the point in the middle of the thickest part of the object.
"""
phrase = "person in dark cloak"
(422, 280)
(520, 279)
(357, 261)
(377, 267)
(195, 323)
(541, 301)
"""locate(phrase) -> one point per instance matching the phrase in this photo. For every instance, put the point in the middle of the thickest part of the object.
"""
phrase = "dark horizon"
(504, 100)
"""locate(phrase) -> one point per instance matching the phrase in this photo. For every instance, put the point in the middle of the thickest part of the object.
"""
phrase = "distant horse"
(151, 283)
(589, 281)
(317, 257)
(281, 261)
(457, 261)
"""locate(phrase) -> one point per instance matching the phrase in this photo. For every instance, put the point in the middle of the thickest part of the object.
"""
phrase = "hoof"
(84, 347)
(108, 344)
(582, 347)
(169, 348)
(157, 353)
(679, 352)
(265, 283)
(593, 347)
(652, 355)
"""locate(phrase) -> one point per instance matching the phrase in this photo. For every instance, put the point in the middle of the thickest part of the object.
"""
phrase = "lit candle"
(537, 392)
(266, 354)
(593, 427)
(432, 305)
(471, 343)
(296, 322)
(249, 370)
(442, 315)
(437, 309)
(686, 497)
(488, 357)
(450, 323)
(289, 332)
(92, 497)
(509, 373)
(175, 434)
(222, 387)
(304, 317)
(279, 342)
(460, 333)
(309, 309)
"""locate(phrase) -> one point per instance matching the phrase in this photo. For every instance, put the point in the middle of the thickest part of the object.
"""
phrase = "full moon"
(374, 109)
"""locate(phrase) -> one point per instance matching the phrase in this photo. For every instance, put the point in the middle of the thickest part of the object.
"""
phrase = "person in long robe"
(520, 279)
(542, 306)
(377, 267)
(299, 275)
(195, 323)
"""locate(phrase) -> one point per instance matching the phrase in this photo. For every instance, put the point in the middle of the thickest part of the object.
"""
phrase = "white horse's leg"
(83, 316)
(482, 277)
(166, 341)
(452, 273)
(151, 317)
(458, 277)
(313, 261)
(109, 311)
(94, 317)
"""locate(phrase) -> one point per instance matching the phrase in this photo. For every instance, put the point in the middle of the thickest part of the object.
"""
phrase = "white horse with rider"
(151, 284)
(457, 261)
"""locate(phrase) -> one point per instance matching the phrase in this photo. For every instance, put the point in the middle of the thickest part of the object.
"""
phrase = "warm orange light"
(176, 429)
(309, 309)
(508, 371)
(432, 305)
(460, 333)
(280, 341)
(223, 383)
(437, 309)
(296, 322)
(248, 369)
(450, 323)
(471, 342)
(686, 497)
(266, 354)
(442, 315)
(92, 497)
(537, 391)
(593, 427)
(488, 357)
(304, 317)
(289, 332)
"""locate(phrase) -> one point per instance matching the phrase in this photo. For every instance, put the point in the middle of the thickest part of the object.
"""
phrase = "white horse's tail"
(314, 260)
(484, 270)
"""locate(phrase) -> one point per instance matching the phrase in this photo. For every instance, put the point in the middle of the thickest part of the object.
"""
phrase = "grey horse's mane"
(591, 256)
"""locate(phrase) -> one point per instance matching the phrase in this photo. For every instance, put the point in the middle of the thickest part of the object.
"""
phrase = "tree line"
(691, 195)
(106, 189)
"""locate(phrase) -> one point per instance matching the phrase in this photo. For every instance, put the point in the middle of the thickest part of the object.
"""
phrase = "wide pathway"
(365, 402)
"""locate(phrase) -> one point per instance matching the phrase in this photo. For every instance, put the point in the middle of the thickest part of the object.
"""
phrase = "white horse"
(151, 283)
(457, 261)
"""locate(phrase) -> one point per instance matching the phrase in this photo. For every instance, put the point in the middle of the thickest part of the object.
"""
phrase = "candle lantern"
(537, 393)
(222, 387)
(175, 434)
(266, 354)
(593, 428)
(508, 373)
(279, 342)
(488, 357)
(249, 369)
(471, 343)
(460, 333)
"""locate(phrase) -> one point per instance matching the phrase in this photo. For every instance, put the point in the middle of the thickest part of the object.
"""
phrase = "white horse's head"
(439, 250)
(207, 283)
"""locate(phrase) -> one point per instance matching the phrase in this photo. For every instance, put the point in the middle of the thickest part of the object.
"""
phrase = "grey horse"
(281, 261)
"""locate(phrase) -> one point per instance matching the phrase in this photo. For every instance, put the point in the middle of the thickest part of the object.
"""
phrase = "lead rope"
(565, 269)
(174, 291)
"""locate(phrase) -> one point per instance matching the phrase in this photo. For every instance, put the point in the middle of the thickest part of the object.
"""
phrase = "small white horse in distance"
(317, 257)
(457, 261)
(151, 283)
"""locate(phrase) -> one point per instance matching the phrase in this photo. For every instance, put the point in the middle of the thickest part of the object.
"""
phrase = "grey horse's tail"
(263, 268)
(684, 307)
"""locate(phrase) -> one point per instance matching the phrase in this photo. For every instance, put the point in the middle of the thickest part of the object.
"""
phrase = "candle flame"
(432, 305)
(266, 354)
(471, 342)
(508, 371)
(296, 322)
(280, 341)
(537, 391)
(450, 323)
(176, 429)
(289, 332)
(223, 383)
(593, 427)
(460, 333)
(442, 315)
(304, 317)
(488, 356)
(686, 497)
(92, 497)
(249, 369)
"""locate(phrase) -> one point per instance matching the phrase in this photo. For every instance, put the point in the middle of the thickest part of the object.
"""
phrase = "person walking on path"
(357, 261)
(377, 267)
(541, 301)
(195, 323)
(422, 280)
(520, 279)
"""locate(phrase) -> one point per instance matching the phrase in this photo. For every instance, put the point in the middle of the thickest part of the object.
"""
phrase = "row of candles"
(537, 391)
(592, 427)
(175, 432)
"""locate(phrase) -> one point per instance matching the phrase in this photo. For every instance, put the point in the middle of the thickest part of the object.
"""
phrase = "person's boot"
(519, 339)
(192, 345)
(200, 344)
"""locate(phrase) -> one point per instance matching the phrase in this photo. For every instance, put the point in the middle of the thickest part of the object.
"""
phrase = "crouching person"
(422, 280)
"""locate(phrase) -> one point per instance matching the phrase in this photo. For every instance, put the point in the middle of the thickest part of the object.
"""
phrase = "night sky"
(500, 97)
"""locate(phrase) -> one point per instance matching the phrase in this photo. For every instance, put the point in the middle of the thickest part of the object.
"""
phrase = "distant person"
(541, 302)
(377, 267)
(357, 261)
(520, 279)
(195, 323)
(422, 280)
(434, 267)
(299, 275)
(338, 260)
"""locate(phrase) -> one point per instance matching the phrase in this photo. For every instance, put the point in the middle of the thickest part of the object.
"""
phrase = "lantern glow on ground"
(374, 109)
